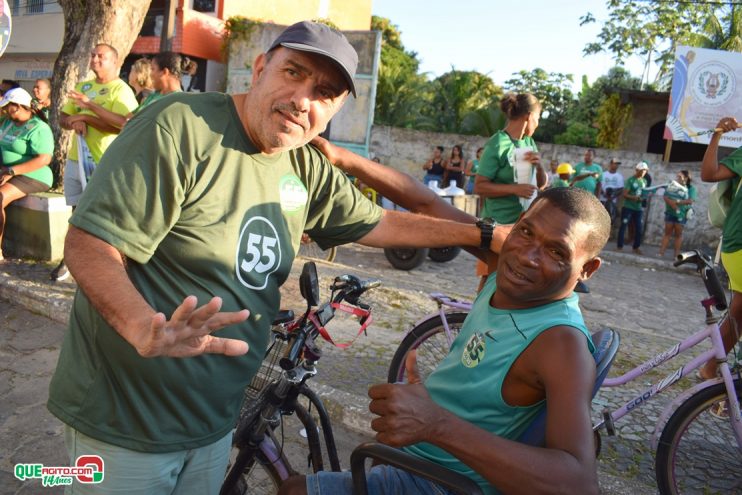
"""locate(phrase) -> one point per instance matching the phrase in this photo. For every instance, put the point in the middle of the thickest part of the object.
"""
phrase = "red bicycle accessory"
(363, 314)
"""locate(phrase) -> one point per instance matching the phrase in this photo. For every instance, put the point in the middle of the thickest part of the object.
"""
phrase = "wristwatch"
(486, 226)
(9, 171)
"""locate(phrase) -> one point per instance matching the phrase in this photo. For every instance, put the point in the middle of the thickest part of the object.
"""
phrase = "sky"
(500, 37)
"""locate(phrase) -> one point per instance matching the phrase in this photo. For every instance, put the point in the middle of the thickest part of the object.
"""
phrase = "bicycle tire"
(431, 343)
(312, 250)
(405, 258)
(698, 452)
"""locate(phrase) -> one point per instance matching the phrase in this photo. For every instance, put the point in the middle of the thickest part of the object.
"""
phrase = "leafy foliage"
(554, 91)
(613, 118)
(650, 29)
(456, 94)
(579, 134)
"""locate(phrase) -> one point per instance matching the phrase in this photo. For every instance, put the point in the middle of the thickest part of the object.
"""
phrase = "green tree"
(649, 29)
(613, 118)
(554, 91)
(578, 134)
(484, 121)
(456, 94)
(591, 97)
(399, 89)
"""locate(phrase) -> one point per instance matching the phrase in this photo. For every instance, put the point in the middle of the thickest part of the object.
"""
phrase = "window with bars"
(34, 6)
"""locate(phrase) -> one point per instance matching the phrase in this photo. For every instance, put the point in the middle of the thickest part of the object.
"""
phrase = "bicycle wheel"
(258, 477)
(431, 342)
(311, 249)
(698, 452)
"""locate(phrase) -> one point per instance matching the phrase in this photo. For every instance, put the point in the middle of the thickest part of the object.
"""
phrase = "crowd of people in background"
(96, 110)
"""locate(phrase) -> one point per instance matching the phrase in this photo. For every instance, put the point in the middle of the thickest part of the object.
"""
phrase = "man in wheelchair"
(524, 345)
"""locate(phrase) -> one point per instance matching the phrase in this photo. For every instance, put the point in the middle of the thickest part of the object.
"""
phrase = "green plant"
(236, 29)
(613, 118)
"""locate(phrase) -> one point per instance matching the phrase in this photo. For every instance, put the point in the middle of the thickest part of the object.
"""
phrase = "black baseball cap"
(307, 36)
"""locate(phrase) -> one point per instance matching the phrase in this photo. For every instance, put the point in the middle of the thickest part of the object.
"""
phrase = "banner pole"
(668, 149)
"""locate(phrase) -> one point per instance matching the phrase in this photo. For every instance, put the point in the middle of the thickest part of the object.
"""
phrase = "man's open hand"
(187, 332)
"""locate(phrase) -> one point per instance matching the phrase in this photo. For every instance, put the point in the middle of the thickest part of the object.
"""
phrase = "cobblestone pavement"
(652, 305)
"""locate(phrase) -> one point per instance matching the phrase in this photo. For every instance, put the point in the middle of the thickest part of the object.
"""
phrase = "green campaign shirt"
(731, 240)
(496, 164)
(589, 183)
(559, 183)
(21, 143)
(468, 381)
(115, 96)
(196, 209)
(634, 187)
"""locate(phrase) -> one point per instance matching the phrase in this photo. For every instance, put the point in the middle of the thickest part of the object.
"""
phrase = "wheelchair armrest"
(420, 467)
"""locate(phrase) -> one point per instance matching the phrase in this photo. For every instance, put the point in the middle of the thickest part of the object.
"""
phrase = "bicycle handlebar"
(705, 268)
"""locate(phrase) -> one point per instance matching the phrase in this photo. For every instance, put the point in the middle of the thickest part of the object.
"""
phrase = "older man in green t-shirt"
(189, 227)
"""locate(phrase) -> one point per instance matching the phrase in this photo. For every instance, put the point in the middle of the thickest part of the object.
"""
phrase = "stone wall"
(407, 150)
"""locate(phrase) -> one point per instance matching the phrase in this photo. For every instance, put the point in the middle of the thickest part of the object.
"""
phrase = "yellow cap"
(564, 168)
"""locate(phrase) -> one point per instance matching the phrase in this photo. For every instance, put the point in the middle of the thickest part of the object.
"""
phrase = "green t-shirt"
(496, 164)
(468, 382)
(634, 187)
(589, 183)
(559, 182)
(20, 144)
(150, 98)
(676, 193)
(115, 96)
(196, 209)
(732, 231)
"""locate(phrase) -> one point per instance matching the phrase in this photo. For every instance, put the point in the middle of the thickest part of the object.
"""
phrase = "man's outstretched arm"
(562, 362)
(407, 192)
(99, 270)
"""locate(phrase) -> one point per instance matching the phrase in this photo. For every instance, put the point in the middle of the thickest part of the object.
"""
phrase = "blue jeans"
(634, 217)
(380, 480)
(429, 177)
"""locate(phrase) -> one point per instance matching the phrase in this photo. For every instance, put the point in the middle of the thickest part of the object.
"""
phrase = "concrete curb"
(36, 298)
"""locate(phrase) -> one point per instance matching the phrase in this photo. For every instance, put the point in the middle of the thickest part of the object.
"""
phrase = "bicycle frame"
(444, 301)
(711, 331)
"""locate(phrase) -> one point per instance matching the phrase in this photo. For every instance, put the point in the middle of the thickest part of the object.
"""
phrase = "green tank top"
(468, 382)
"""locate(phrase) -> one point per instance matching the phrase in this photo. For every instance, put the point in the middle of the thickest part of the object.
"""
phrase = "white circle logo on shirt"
(258, 253)
(292, 193)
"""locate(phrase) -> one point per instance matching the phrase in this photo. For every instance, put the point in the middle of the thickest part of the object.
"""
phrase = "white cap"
(642, 166)
(18, 96)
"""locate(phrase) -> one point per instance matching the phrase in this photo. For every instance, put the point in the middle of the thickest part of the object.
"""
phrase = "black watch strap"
(9, 171)
(486, 227)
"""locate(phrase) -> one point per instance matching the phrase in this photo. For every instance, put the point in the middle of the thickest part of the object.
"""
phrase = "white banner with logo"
(706, 86)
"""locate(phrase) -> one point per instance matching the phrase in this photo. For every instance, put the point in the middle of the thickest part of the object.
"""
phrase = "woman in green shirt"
(678, 197)
(26, 144)
(715, 170)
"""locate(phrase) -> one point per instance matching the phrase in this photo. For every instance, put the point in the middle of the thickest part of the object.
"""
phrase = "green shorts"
(186, 472)
(733, 265)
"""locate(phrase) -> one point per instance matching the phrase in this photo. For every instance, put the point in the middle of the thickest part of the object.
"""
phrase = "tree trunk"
(87, 23)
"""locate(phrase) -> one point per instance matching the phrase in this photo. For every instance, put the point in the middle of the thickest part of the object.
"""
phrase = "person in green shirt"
(715, 170)
(26, 144)
(588, 174)
(679, 196)
(523, 347)
(179, 246)
(471, 171)
(496, 181)
(42, 91)
(632, 206)
(165, 73)
(564, 174)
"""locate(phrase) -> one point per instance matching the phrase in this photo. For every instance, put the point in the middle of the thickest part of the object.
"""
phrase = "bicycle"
(309, 249)
(689, 430)
(259, 463)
